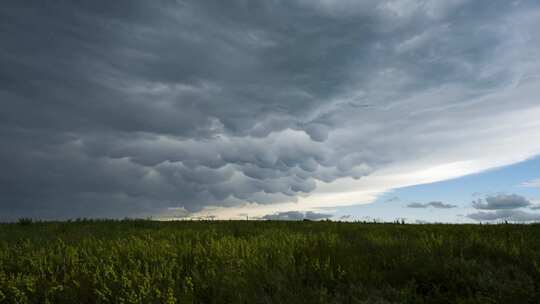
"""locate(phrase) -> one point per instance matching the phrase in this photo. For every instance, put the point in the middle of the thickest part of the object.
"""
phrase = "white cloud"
(535, 183)
(509, 215)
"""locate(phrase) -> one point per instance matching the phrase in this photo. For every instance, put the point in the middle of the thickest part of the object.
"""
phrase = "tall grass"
(267, 262)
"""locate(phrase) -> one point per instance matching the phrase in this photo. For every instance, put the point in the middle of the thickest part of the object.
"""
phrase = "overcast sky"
(291, 108)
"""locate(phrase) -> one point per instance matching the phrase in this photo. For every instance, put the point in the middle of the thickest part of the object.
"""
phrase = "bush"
(25, 221)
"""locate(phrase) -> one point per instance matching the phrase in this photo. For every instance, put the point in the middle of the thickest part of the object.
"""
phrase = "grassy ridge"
(267, 262)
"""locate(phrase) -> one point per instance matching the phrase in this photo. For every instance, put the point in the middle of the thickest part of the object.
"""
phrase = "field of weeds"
(139, 261)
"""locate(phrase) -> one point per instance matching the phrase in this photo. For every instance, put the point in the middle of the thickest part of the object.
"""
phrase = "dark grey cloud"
(504, 206)
(295, 216)
(436, 204)
(131, 108)
(501, 201)
(509, 215)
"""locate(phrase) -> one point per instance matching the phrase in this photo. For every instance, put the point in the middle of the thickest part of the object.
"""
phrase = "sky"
(378, 109)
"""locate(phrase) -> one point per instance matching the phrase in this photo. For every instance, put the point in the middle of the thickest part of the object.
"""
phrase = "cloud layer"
(504, 207)
(535, 183)
(131, 108)
(509, 215)
(295, 216)
(501, 201)
(435, 204)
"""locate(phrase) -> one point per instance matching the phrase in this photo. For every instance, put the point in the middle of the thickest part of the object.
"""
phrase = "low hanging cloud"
(534, 207)
(501, 201)
(509, 215)
(436, 204)
(504, 207)
(295, 216)
(135, 108)
(535, 204)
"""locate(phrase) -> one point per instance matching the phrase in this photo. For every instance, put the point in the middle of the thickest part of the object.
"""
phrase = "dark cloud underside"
(501, 201)
(504, 207)
(130, 108)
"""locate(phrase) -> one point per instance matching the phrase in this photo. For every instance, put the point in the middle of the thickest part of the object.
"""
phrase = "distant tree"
(25, 221)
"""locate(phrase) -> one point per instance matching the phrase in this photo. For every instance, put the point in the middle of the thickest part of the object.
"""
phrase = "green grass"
(267, 262)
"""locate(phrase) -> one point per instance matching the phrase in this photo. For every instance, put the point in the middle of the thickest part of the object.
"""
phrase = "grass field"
(138, 261)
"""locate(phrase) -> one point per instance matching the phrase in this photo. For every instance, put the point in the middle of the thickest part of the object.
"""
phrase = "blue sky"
(459, 191)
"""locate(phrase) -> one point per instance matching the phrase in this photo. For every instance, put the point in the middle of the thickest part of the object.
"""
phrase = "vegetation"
(137, 261)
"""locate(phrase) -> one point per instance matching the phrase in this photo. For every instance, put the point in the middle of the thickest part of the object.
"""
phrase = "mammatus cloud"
(295, 216)
(131, 108)
(501, 201)
(509, 215)
(438, 205)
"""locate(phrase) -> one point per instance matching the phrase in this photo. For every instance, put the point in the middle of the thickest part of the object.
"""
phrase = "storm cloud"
(132, 108)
